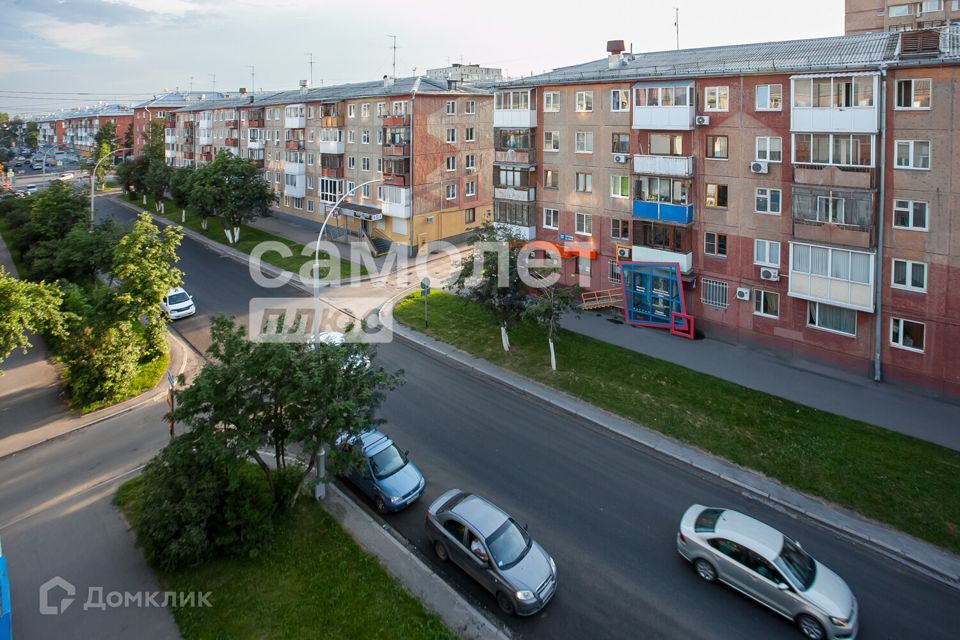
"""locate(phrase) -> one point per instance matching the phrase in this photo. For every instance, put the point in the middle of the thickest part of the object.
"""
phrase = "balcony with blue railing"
(656, 211)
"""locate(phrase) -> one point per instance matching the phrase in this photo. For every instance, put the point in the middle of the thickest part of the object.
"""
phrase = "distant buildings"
(899, 15)
(76, 129)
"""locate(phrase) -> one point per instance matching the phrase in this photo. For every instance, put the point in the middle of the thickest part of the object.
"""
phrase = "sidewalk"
(805, 382)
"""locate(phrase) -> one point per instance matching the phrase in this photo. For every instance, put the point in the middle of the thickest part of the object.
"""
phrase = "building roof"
(857, 51)
(179, 98)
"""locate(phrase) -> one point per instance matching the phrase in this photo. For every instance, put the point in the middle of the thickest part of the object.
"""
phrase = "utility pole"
(311, 67)
(676, 24)
(394, 54)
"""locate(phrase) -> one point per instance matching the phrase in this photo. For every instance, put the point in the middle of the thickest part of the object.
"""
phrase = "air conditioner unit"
(759, 167)
(624, 253)
(766, 273)
(743, 293)
(621, 158)
(703, 121)
(428, 219)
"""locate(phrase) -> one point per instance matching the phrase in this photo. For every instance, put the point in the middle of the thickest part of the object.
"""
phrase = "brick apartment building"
(427, 143)
(158, 108)
(776, 177)
(76, 129)
(899, 15)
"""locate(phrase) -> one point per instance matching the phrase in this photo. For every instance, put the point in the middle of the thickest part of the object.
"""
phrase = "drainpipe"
(878, 271)
(413, 95)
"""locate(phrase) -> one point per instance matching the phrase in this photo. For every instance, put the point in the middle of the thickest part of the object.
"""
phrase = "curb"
(901, 547)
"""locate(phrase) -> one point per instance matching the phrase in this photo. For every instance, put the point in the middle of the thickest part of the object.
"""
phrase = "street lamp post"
(93, 178)
(316, 256)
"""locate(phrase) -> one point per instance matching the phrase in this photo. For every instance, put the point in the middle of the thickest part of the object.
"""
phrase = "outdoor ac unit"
(624, 253)
(620, 157)
(428, 219)
(743, 293)
(766, 273)
(759, 167)
(703, 121)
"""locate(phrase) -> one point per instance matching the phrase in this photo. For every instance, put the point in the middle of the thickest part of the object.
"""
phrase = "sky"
(60, 53)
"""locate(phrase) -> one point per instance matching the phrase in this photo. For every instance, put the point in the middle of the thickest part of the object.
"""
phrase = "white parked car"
(335, 339)
(66, 176)
(30, 188)
(178, 304)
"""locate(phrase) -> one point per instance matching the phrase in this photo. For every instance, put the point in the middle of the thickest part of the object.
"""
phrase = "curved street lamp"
(316, 256)
(93, 178)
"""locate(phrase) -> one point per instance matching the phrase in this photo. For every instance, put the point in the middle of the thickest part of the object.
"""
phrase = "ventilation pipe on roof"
(304, 87)
(615, 49)
(243, 91)
(387, 81)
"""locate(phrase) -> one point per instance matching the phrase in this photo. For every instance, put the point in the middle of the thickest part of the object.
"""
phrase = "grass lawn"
(250, 237)
(312, 581)
(907, 483)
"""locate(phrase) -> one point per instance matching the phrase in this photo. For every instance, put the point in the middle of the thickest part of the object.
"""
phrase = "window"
(309, 206)
(379, 165)
(551, 218)
(469, 161)
(827, 262)
(717, 99)
(613, 271)
(769, 149)
(330, 189)
(584, 182)
(298, 203)
(364, 163)
(619, 229)
(309, 181)
(379, 136)
(900, 10)
(715, 244)
(717, 147)
(769, 97)
(620, 186)
(470, 135)
(469, 215)
(451, 135)
(664, 144)
(584, 224)
(380, 193)
(853, 150)
(551, 141)
(311, 158)
(768, 201)
(913, 94)
(470, 188)
(551, 179)
(929, 6)
(912, 154)
(365, 110)
(351, 186)
(470, 109)
(365, 136)
(365, 190)
(451, 163)
(831, 318)
(909, 275)
(766, 303)
(906, 334)
(451, 107)
(584, 101)
(512, 100)
(399, 107)
(621, 143)
(584, 142)
(714, 293)
(351, 110)
(507, 212)
(551, 101)
(351, 136)
(716, 195)
(766, 253)
(910, 214)
(655, 189)
(833, 92)
(663, 96)
(451, 192)
(830, 209)
(381, 109)
(351, 162)
(619, 100)
(584, 265)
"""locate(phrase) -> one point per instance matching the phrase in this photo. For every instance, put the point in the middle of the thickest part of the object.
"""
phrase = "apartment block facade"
(76, 129)
(899, 15)
(805, 191)
(159, 109)
(413, 154)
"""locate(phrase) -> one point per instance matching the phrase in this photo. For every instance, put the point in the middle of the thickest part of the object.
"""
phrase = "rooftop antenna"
(253, 77)
(394, 54)
(213, 79)
(311, 67)
(676, 24)
(191, 84)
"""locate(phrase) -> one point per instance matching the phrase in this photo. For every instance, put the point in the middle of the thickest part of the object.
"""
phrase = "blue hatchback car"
(386, 473)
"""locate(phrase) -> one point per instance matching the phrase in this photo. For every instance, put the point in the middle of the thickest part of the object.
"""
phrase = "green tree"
(106, 135)
(101, 361)
(153, 145)
(492, 278)
(232, 188)
(101, 162)
(128, 138)
(181, 182)
(157, 179)
(26, 307)
(277, 395)
(549, 307)
(143, 264)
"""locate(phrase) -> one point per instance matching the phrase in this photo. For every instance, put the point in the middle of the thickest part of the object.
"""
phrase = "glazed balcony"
(672, 166)
(396, 201)
(257, 162)
(331, 172)
(333, 122)
(654, 254)
(206, 156)
(834, 216)
(517, 194)
(294, 145)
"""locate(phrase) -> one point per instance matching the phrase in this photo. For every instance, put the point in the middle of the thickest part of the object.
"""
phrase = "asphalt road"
(605, 508)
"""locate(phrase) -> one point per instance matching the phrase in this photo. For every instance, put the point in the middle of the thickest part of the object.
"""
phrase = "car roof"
(480, 513)
(330, 337)
(372, 441)
(176, 290)
(750, 532)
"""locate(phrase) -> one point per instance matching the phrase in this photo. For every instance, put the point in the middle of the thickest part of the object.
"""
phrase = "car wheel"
(810, 628)
(505, 603)
(441, 551)
(705, 570)
(381, 505)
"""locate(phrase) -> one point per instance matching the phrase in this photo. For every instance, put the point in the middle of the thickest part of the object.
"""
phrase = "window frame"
(899, 345)
(587, 182)
(913, 93)
(759, 299)
(451, 192)
(710, 150)
(709, 285)
(616, 187)
(582, 98)
(587, 137)
(554, 100)
(624, 100)
(769, 88)
(554, 142)
(587, 219)
(721, 93)
(767, 246)
(717, 236)
(769, 150)
(769, 199)
(912, 155)
(555, 215)
(838, 332)
(716, 197)
(451, 107)
(911, 212)
(908, 273)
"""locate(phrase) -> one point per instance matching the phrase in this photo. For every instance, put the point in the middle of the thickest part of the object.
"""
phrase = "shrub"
(101, 361)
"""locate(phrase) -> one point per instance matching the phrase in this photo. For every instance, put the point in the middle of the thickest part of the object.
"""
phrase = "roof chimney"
(615, 49)
(452, 84)
(387, 82)
(243, 91)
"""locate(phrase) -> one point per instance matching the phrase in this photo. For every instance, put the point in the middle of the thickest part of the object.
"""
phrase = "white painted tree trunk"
(183, 216)
(229, 235)
(504, 337)
(203, 224)
(553, 356)
(163, 207)
(144, 199)
(236, 234)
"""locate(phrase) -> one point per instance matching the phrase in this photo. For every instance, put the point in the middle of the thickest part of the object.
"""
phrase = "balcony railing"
(521, 118)
(331, 172)
(294, 145)
(663, 211)
(669, 118)
(396, 180)
(520, 194)
(232, 142)
(255, 123)
(832, 176)
(257, 162)
(188, 155)
(330, 147)
(653, 254)
(206, 157)
(331, 121)
(673, 166)
(515, 156)
(231, 124)
(396, 149)
(394, 120)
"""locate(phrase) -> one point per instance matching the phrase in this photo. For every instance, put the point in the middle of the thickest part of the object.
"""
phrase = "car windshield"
(707, 520)
(177, 298)
(387, 462)
(800, 565)
(508, 544)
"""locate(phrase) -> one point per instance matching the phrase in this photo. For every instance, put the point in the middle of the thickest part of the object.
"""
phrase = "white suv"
(178, 304)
